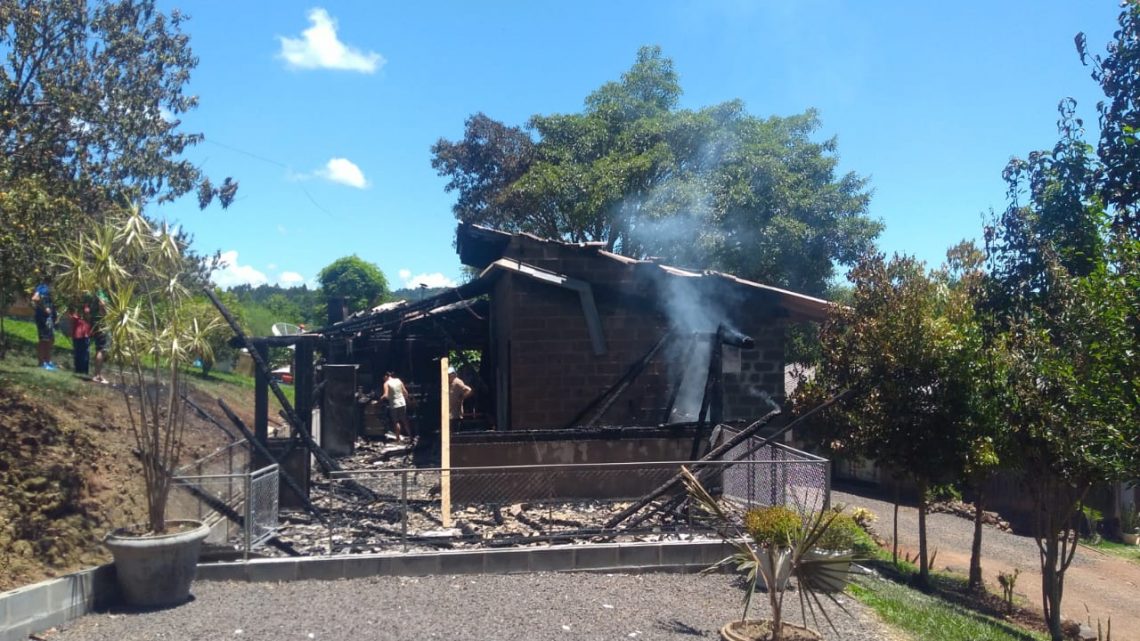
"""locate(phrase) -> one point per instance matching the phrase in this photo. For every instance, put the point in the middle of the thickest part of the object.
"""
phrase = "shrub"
(772, 526)
(841, 535)
(863, 517)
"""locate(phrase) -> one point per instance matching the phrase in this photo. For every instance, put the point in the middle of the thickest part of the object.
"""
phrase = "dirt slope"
(68, 472)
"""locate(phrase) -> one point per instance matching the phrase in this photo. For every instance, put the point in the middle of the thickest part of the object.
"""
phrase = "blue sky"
(325, 113)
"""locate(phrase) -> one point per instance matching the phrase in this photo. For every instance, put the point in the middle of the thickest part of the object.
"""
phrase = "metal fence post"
(404, 508)
(826, 485)
(229, 484)
(248, 514)
(198, 502)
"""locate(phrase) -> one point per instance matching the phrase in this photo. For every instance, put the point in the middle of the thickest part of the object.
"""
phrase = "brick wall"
(761, 369)
(554, 373)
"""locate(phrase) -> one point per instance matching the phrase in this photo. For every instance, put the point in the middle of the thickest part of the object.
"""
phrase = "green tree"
(1065, 300)
(1118, 183)
(360, 282)
(33, 222)
(90, 99)
(154, 331)
(983, 434)
(713, 188)
(909, 350)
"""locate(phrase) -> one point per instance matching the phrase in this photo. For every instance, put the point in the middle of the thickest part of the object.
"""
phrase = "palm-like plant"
(766, 559)
(154, 335)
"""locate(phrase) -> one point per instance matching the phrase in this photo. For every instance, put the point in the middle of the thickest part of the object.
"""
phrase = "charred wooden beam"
(676, 479)
(716, 453)
(324, 461)
(206, 416)
(225, 510)
(262, 450)
(597, 408)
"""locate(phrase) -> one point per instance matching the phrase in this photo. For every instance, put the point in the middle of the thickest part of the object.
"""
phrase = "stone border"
(37, 607)
(34, 608)
(671, 556)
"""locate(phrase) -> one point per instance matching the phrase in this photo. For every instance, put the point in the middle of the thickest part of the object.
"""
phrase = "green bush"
(772, 525)
(841, 535)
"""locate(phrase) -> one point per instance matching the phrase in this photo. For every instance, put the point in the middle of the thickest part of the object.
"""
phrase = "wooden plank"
(445, 443)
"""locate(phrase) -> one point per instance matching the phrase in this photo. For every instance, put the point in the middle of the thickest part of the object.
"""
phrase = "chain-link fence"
(514, 505)
(219, 491)
(781, 475)
(261, 505)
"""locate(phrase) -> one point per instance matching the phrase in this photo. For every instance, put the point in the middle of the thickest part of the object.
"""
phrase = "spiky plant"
(764, 558)
(154, 334)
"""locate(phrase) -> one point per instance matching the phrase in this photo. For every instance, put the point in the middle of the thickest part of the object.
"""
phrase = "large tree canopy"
(90, 96)
(713, 188)
(360, 282)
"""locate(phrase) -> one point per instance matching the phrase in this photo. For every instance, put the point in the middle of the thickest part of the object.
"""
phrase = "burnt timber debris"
(582, 357)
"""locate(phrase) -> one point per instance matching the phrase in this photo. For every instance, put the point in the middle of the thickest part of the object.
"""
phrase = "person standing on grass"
(99, 333)
(45, 316)
(397, 394)
(81, 336)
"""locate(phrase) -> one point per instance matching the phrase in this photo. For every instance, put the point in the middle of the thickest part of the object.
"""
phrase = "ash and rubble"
(359, 525)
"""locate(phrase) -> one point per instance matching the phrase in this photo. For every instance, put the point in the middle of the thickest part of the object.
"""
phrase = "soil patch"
(69, 472)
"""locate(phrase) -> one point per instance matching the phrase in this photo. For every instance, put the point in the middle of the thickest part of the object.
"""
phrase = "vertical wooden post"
(444, 443)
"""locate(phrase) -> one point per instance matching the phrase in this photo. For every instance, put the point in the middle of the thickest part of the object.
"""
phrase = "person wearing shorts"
(397, 394)
(45, 316)
(99, 335)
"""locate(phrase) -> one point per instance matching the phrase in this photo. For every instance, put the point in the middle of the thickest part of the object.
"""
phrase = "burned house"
(583, 355)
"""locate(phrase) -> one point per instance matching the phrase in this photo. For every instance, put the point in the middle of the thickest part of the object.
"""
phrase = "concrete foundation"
(556, 447)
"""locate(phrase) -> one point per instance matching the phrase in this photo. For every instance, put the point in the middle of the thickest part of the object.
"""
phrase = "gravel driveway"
(530, 606)
(1108, 585)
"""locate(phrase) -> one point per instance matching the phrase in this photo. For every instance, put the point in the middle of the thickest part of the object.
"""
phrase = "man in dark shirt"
(45, 315)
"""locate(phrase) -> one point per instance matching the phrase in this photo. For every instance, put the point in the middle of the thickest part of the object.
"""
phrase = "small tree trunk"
(775, 597)
(1050, 586)
(976, 582)
(923, 564)
(895, 536)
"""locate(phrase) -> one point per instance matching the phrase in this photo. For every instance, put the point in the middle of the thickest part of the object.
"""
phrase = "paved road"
(1108, 585)
(530, 606)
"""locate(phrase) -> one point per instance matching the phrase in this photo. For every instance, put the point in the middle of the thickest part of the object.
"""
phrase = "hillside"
(68, 472)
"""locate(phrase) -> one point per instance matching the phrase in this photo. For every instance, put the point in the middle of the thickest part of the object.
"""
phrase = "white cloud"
(290, 279)
(343, 171)
(431, 280)
(320, 48)
(232, 273)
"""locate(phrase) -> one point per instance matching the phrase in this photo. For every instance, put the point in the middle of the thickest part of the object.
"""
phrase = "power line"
(275, 163)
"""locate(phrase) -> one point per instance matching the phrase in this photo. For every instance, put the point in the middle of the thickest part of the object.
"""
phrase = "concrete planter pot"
(156, 571)
(1130, 538)
(834, 571)
(783, 558)
(753, 630)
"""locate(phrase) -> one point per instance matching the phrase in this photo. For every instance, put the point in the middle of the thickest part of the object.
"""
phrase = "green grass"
(20, 366)
(1130, 552)
(217, 378)
(928, 618)
(22, 336)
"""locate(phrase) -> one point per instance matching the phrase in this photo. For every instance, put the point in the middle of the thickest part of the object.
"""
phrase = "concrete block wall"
(761, 370)
(37, 607)
(554, 371)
